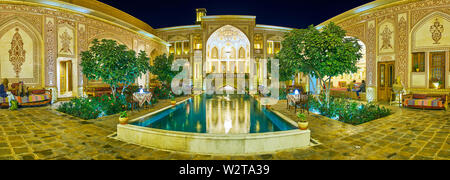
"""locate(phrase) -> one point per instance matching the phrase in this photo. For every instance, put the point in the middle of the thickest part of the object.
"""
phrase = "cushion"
(419, 96)
(4, 100)
(42, 91)
(427, 103)
(33, 98)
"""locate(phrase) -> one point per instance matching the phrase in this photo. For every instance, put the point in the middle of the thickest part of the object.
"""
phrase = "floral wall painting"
(17, 52)
(436, 30)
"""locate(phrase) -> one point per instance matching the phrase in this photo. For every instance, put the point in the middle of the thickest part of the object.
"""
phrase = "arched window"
(241, 53)
(233, 53)
(215, 53)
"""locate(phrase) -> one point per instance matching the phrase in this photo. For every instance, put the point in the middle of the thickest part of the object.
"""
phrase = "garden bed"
(88, 108)
(348, 111)
(94, 107)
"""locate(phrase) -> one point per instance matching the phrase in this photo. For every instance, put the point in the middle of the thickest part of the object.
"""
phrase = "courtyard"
(45, 134)
(84, 80)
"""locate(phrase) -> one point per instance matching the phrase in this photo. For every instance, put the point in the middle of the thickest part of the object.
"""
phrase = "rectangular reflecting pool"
(217, 114)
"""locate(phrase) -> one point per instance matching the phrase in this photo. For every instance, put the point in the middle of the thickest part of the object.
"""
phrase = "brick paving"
(43, 133)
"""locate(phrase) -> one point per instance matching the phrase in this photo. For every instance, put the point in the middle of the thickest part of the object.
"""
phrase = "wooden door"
(62, 77)
(386, 77)
(437, 69)
(69, 76)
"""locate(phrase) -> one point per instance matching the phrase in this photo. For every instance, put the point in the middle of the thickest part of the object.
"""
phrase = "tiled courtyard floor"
(43, 133)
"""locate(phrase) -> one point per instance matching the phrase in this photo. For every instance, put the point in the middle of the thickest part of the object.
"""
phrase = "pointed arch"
(28, 69)
(214, 53)
(242, 54)
(419, 42)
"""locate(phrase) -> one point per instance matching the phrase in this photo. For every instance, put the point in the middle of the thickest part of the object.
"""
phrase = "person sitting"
(351, 86)
(4, 88)
(362, 88)
(23, 90)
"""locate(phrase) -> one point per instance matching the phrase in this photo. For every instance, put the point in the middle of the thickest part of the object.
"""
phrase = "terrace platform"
(42, 133)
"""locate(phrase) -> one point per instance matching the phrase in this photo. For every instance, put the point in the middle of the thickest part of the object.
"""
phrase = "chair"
(300, 100)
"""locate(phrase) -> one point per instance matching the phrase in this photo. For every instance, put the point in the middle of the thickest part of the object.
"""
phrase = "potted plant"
(123, 119)
(416, 67)
(172, 100)
(436, 82)
(302, 122)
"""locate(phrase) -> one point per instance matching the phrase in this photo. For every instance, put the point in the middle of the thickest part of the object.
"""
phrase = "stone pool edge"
(215, 144)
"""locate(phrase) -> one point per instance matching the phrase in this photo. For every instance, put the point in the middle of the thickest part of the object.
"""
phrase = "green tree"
(162, 68)
(113, 64)
(322, 54)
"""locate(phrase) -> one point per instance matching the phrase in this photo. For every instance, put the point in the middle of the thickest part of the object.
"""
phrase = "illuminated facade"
(224, 44)
(409, 39)
(41, 41)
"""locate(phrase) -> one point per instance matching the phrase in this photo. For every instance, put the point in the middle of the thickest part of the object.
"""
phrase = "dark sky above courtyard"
(288, 13)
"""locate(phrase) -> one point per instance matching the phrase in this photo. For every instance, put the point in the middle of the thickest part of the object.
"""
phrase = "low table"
(141, 98)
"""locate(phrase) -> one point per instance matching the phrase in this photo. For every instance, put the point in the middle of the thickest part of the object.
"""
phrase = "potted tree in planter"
(302, 122)
(123, 119)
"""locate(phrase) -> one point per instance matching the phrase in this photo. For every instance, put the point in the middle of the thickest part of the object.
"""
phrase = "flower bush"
(95, 107)
(162, 92)
(347, 111)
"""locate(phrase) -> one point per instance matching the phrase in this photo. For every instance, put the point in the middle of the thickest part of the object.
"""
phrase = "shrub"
(95, 107)
(162, 92)
(347, 111)
(283, 94)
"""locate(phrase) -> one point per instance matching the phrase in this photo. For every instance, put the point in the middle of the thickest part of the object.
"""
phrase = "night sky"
(288, 13)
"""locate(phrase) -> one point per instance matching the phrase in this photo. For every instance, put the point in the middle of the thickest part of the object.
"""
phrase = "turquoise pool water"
(219, 114)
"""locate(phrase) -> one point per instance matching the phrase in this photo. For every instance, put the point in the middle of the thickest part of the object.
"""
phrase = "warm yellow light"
(198, 46)
(270, 47)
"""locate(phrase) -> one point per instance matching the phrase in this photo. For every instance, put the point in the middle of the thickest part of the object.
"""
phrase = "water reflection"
(219, 114)
(226, 115)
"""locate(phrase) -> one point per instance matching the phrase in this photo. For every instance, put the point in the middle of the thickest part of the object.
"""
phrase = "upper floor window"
(186, 47)
(258, 42)
(197, 42)
(179, 47)
(172, 48)
(215, 53)
(270, 47)
(277, 47)
(241, 53)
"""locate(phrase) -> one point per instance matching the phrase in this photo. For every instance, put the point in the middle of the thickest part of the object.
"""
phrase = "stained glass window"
(437, 67)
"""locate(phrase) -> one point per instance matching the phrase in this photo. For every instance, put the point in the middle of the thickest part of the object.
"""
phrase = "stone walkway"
(43, 133)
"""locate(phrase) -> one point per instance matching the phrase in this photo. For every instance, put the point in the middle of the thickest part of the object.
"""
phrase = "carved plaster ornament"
(386, 37)
(17, 53)
(65, 41)
(436, 31)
